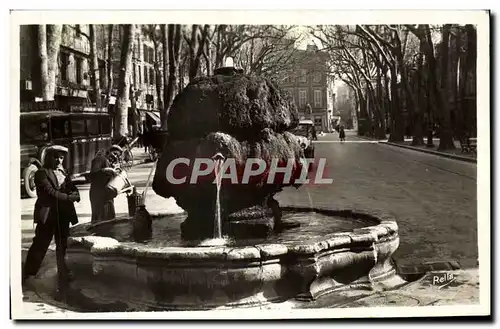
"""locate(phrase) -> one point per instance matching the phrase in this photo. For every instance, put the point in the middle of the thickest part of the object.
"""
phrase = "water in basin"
(314, 227)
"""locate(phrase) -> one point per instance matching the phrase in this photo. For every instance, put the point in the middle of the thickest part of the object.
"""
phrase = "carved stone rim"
(385, 228)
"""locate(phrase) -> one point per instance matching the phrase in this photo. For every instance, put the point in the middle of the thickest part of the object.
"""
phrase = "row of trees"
(181, 52)
(408, 79)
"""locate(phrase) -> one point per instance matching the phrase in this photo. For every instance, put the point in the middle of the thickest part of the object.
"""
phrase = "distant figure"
(104, 167)
(140, 134)
(146, 136)
(342, 134)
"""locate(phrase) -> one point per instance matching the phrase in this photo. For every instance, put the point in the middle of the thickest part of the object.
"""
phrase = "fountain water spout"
(218, 159)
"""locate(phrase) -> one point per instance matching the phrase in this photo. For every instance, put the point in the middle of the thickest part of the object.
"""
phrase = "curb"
(369, 138)
(446, 155)
(139, 162)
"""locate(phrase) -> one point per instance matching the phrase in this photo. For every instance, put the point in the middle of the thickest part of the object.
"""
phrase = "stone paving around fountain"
(39, 300)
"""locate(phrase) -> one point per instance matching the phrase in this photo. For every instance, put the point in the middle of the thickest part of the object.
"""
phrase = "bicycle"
(127, 159)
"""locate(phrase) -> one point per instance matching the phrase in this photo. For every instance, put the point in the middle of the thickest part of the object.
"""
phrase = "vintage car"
(84, 134)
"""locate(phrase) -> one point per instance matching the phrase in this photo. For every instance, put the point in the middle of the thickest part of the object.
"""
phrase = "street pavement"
(432, 198)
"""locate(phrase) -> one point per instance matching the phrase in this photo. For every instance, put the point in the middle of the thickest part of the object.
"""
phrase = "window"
(78, 128)
(317, 77)
(152, 76)
(302, 97)
(140, 75)
(33, 130)
(105, 125)
(318, 121)
(60, 128)
(134, 74)
(146, 80)
(64, 66)
(102, 73)
(79, 74)
(151, 55)
(317, 98)
(93, 127)
(303, 75)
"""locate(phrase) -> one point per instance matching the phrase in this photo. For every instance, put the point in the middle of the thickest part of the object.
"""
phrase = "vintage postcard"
(249, 164)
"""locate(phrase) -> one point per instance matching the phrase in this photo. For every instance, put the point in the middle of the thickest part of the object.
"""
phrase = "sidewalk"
(452, 154)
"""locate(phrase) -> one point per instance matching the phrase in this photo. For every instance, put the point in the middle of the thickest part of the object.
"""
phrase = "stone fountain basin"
(190, 278)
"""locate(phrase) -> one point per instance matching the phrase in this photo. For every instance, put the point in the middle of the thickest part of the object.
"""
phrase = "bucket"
(142, 225)
(133, 200)
(117, 184)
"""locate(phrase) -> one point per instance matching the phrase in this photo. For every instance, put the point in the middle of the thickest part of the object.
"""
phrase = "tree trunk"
(412, 109)
(193, 49)
(182, 67)
(208, 58)
(109, 73)
(44, 68)
(445, 132)
(196, 50)
(166, 58)
(430, 110)
(121, 126)
(381, 107)
(469, 100)
(455, 55)
(388, 102)
(53, 45)
(159, 79)
(49, 42)
(110, 61)
(433, 99)
(397, 127)
(174, 42)
(377, 126)
(418, 133)
(94, 76)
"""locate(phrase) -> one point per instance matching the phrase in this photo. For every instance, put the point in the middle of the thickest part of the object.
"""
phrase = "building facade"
(311, 88)
(72, 73)
(73, 90)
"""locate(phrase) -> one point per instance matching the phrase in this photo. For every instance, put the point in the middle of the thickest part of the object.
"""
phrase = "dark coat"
(53, 201)
(102, 206)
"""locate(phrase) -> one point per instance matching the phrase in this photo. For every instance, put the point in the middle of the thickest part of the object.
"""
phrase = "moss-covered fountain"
(235, 246)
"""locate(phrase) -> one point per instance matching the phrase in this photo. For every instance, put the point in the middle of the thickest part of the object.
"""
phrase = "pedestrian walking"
(104, 167)
(342, 134)
(54, 211)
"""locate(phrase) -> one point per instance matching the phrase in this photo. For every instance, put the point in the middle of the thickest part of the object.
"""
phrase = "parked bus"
(83, 133)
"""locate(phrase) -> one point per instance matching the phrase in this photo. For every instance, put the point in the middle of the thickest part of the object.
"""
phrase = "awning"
(154, 117)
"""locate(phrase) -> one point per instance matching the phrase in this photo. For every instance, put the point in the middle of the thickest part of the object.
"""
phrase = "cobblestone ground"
(433, 198)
